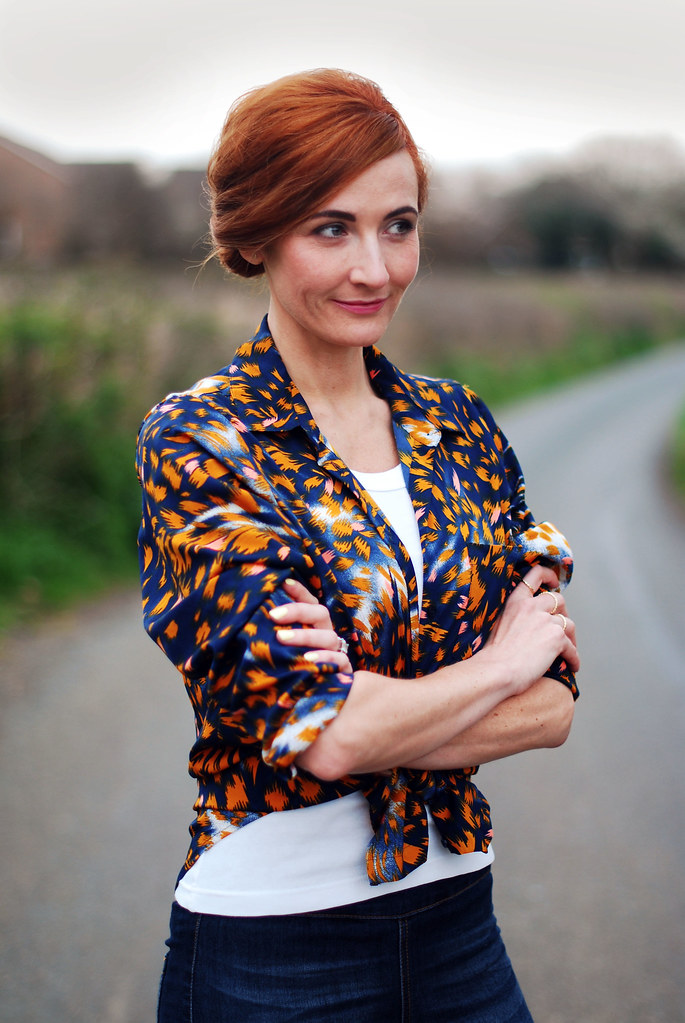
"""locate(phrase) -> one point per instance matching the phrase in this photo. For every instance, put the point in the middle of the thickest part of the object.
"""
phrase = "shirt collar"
(268, 400)
(262, 393)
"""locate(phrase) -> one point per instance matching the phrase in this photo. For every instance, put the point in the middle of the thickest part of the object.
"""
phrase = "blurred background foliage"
(528, 277)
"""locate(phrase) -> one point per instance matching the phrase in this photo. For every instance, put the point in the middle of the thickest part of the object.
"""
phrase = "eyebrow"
(350, 217)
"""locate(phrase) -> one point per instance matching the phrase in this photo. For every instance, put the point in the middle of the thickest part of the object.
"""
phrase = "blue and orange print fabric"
(241, 491)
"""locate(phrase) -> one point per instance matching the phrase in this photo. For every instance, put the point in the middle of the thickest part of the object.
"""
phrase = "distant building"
(187, 207)
(110, 212)
(34, 206)
(52, 212)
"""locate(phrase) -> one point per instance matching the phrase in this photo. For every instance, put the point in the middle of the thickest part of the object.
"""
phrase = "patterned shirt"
(241, 491)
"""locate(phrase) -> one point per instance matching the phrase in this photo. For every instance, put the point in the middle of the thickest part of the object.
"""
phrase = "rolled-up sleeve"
(533, 543)
(215, 548)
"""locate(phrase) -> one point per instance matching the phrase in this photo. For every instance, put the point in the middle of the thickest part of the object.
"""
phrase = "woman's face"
(337, 279)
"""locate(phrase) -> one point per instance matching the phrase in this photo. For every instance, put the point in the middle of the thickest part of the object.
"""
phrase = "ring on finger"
(564, 622)
(527, 584)
(556, 602)
(344, 646)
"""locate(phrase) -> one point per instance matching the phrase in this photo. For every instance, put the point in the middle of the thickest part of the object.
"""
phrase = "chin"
(365, 334)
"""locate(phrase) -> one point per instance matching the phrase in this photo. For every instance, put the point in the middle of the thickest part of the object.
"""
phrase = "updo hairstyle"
(285, 147)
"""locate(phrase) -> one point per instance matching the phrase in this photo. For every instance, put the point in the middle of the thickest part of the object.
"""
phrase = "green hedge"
(69, 514)
(514, 375)
(75, 381)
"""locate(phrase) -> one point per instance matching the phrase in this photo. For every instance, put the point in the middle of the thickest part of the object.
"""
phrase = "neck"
(333, 381)
(327, 376)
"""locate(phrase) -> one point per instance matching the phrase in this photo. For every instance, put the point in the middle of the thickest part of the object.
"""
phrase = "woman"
(339, 559)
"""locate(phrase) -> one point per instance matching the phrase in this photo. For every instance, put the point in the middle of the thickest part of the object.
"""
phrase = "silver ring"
(556, 601)
(343, 648)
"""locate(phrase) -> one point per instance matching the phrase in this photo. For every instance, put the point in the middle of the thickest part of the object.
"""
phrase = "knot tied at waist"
(398, 807)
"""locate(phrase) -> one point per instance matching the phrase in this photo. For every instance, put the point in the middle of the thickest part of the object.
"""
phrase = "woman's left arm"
(540, 718)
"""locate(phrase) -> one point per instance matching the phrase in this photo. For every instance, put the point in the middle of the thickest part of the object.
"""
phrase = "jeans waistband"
(409, 901)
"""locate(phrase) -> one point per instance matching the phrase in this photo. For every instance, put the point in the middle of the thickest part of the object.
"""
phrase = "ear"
(253, 256)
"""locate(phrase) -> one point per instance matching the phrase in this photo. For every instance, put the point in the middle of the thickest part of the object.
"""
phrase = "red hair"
(285, 147)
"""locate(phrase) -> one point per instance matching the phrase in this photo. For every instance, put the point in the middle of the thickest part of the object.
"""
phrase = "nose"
(369, 266)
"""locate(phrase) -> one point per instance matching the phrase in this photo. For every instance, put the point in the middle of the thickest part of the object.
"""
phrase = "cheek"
(407, 266)
(288, 279)
(311, 271)
(320, 275)
(287, 264)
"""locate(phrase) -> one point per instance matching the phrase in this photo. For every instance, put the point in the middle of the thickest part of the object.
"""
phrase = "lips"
(362, 307)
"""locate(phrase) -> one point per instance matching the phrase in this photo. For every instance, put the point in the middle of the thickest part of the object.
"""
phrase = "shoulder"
(446, 402)
(211, 399)
(224, 415)
(190, 411)
(450, 394)
(209, 418)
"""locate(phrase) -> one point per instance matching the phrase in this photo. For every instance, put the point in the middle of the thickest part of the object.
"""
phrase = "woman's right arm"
(386, 722)
(215, 552)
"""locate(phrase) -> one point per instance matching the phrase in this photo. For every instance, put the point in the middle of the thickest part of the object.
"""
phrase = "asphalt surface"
(590, 879)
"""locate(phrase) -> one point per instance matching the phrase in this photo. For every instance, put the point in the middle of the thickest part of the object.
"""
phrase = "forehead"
(384, 183)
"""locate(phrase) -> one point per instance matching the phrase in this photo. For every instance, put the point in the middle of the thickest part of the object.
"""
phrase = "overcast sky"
(478, 82)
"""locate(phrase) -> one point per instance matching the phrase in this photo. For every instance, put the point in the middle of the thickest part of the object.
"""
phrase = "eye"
(401, 227)
(332, 230)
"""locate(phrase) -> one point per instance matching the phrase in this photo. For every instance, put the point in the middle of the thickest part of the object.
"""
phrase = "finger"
(337, 657)
(571, 656)
(552, 602)
(539, 575)
(304, 614)
(568, 627)
(570, 650)
(324, 639)
(296, 591)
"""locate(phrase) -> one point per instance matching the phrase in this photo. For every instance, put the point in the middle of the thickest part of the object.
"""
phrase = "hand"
(529, 633)
(316, 630)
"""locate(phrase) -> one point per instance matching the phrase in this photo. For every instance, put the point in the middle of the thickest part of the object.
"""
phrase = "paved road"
(590, 852)
(591, 837)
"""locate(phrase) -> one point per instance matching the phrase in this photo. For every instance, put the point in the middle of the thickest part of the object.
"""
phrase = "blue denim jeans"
(431, 954)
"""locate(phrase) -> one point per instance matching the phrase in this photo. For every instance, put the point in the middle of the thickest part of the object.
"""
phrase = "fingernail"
(285, 634)
(277, 613)
(313, 655)
(290, 582)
